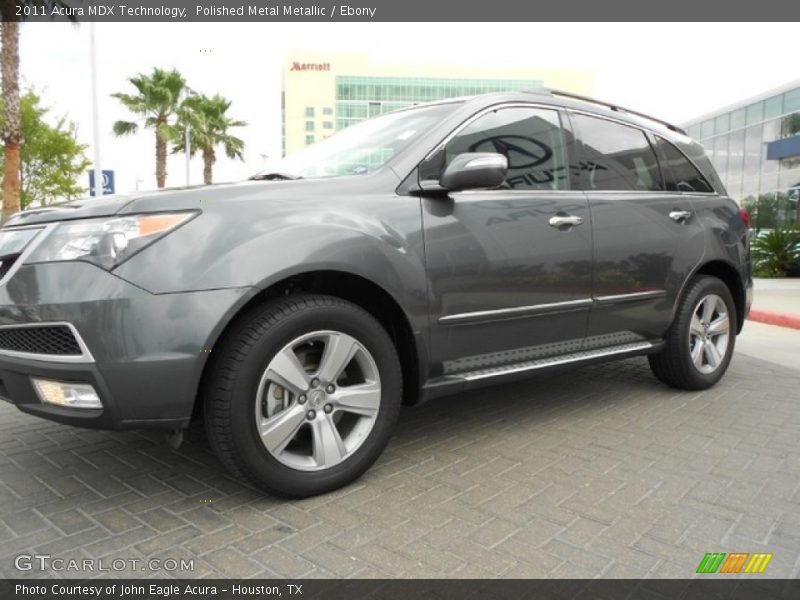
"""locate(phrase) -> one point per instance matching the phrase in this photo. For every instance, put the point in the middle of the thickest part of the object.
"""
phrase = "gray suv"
(425, 252)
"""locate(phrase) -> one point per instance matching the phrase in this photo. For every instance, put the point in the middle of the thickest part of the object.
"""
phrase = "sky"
(676, 71)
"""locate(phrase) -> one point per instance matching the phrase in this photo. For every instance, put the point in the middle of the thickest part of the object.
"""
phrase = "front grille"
(47, 339)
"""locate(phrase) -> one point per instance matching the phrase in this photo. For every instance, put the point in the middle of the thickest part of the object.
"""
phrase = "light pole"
(98, 170)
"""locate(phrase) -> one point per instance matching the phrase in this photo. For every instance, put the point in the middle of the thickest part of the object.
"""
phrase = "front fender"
(255, 245)
(219, 250)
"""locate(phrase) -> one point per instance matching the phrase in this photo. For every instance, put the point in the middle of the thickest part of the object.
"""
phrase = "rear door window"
(616, 157)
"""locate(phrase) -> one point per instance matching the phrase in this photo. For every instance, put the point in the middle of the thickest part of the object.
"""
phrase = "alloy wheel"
(317, 400)
(709, 333)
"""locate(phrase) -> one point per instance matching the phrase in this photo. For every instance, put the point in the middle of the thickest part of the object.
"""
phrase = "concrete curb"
(773, 318)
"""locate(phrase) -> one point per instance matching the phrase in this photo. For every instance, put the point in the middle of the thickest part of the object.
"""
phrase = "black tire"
(674, 365)
(230, 390)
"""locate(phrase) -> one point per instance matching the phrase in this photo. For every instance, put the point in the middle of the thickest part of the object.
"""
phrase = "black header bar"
(266, 11)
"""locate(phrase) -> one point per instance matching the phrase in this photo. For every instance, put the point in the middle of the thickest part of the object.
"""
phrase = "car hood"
(78, 209)
(197, 197)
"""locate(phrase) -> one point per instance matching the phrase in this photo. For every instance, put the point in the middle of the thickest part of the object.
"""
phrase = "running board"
(552, 361)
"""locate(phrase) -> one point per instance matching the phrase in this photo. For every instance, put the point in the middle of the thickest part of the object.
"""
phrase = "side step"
(552, 361)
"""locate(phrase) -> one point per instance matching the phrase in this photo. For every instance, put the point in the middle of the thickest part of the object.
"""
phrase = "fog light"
(66, 393)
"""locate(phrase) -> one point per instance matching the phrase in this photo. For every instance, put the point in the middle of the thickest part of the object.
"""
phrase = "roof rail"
(614, 107)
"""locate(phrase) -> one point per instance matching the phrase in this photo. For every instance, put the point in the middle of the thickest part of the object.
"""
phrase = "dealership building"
(323, 93)
(755, 147)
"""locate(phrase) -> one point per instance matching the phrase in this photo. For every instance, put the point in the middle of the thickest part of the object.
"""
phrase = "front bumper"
(146, 352)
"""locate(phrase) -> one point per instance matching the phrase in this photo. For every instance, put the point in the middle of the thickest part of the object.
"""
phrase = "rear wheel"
(700, 342)
(303, 395)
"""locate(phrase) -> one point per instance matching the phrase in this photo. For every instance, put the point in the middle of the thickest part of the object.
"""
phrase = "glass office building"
(755, 147)
(325, 93)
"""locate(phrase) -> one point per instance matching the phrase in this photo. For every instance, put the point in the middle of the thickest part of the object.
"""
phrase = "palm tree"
(12, 135)
(9, 64)
(156, 103)
(208, 123)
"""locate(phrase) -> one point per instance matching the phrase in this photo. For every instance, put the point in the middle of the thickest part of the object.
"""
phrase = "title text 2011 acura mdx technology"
(417, 254)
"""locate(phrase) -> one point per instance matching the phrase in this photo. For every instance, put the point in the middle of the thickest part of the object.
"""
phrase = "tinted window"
(531, 139)
(680, 175)
(617, 157)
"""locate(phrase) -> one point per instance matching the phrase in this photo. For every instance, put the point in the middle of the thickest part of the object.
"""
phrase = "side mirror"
(473, 170)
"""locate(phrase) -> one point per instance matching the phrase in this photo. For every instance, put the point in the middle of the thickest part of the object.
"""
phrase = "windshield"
(361, 148)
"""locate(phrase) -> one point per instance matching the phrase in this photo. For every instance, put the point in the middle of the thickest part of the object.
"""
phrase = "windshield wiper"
(274, 176)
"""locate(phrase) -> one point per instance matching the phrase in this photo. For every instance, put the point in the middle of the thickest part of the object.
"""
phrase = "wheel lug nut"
(328, 408)
(315, 382)
(311, 414)
(301, 398)
(330, 389)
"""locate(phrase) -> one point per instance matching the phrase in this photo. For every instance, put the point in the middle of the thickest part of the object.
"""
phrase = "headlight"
(106, 242)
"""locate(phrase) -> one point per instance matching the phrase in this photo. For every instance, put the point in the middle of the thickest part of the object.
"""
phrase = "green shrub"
(776, 253)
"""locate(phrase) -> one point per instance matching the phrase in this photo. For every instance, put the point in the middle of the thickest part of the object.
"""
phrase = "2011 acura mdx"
(424, 252)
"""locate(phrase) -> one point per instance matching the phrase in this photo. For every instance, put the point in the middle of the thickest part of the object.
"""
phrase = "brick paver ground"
(598, 472)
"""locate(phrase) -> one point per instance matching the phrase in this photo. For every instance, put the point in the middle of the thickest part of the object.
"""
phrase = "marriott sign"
(297, 66)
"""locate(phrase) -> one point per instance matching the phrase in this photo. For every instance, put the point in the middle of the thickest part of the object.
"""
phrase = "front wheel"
(699, 344)
(303, 395)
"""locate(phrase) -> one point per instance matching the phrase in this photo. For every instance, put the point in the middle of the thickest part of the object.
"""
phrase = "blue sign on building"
(783, 148)
(108, 182)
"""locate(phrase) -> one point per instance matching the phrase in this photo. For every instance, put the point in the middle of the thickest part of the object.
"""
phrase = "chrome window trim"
(514, 312)
(579, 192)
(46, 230)
(521, 192)
(84, 357)
(651, 192)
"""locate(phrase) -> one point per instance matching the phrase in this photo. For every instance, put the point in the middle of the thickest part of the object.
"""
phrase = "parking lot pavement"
(597, 472)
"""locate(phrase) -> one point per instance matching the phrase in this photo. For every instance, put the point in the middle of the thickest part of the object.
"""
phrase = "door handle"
(680, 216)
(562, 222)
